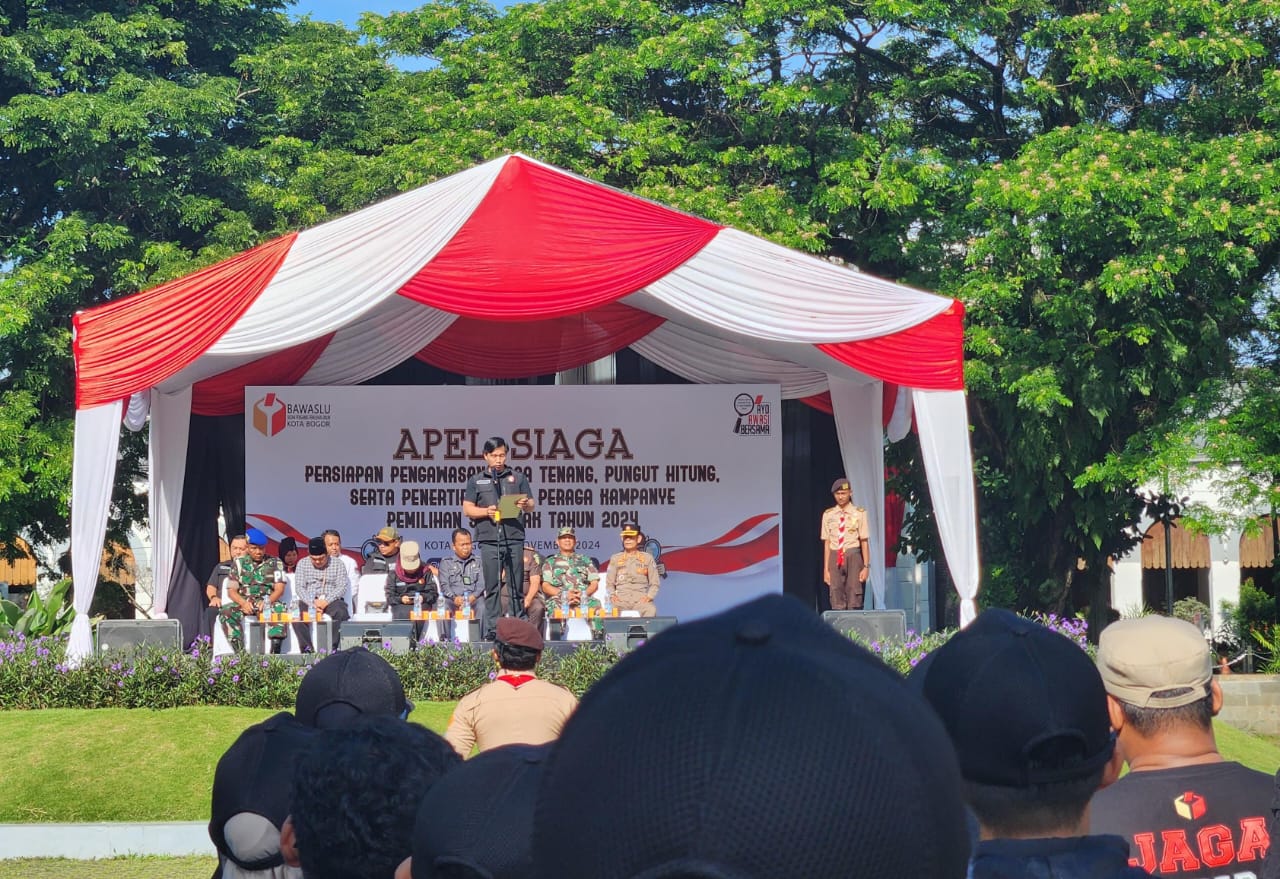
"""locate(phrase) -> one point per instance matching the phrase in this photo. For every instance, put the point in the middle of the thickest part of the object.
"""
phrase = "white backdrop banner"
(698, 467)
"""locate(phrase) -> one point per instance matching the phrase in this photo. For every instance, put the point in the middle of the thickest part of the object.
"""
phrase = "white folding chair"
(370, 591)
(222, 646)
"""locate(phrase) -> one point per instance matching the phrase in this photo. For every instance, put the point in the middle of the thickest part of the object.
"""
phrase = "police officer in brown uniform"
(846, 553)
(517, 707)
(632, 580)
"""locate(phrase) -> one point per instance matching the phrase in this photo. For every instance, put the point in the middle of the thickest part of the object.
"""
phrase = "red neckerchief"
(516, 679)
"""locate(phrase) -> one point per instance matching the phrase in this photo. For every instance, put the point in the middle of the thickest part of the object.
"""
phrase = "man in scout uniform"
(846, 554)
(257, 582)
(632, 579)
(569, 578)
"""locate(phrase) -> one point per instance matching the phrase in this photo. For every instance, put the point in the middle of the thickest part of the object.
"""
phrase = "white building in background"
(1209, 567)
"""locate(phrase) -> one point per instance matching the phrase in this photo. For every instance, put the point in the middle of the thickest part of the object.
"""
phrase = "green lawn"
(115, 764)
(114, 868)
(70, 765)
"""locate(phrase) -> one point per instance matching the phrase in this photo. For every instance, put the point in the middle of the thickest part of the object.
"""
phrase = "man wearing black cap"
(516, 707)
(251, 783)
(257, 582)
(846, 554)
(500, 538)
(702, 749)
(321, 583)
(453, 835)
(1027, 713)
(632, 579)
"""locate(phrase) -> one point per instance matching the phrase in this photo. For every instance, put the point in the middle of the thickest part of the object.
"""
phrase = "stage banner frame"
(698, 465)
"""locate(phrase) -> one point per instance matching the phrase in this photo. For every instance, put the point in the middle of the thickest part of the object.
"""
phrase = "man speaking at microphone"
(501, 538)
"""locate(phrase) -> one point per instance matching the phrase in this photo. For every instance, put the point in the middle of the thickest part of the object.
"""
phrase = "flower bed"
(34, 673)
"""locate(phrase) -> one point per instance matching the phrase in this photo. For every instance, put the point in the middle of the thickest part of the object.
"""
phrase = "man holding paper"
(495, 500)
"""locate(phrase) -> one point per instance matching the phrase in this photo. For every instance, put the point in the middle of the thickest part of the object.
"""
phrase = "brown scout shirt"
(855, 528)
(515, 709)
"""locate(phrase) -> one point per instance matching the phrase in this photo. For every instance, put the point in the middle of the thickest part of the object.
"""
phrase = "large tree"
(1095, 180)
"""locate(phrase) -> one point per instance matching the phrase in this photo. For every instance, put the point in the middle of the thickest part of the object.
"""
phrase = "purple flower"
(443, 664)
(493, 675)
(210, 682)
(301, 672)
(119, 684)
(265, 663)
(33, 663)
(235, 679)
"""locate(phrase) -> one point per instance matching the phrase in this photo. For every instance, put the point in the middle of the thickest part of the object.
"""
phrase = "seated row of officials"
(560, 583)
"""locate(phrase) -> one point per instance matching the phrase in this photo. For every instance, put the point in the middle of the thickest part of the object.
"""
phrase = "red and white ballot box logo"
(269, 415)
(1190, 806)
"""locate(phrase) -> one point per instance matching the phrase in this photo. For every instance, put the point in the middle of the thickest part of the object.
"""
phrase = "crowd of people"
(762, 743)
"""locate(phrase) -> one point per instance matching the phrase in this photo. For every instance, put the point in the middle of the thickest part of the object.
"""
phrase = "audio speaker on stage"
(128, 634)
(628, 633)
(395, 636)
(873, 625)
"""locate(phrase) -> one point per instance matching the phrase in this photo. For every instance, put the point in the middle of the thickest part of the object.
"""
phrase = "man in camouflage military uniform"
(632, 579)
(570, 579)
(257, 582)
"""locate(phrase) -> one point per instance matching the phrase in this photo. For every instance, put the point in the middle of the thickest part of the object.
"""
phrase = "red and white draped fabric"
(517, 252)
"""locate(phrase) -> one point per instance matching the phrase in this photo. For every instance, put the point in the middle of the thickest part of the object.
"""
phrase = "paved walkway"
(104, 840)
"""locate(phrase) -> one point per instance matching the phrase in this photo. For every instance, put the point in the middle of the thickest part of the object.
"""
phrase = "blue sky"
(348, 11)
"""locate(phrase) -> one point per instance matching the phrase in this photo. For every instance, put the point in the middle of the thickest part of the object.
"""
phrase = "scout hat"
(388, 533)
(341, 688)
(519, 633)
(256, 537)
(630, 529)
(711, 730)
(840, 484)
(566, 531)
(1155, 662)
(1010, 691)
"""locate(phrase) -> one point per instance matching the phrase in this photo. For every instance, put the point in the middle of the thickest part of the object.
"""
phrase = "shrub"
(34, 674)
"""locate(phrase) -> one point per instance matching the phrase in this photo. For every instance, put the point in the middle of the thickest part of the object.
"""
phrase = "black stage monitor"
(628, 633)
(128, 634)
(873, 625)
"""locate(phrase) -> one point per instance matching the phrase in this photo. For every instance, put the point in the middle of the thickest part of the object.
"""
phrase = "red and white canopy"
(564, 269)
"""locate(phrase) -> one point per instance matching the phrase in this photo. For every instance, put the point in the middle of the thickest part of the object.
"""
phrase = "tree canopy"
(1095, 180)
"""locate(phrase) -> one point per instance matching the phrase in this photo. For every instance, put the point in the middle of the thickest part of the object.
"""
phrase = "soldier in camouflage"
(257, 583)
(569, 578)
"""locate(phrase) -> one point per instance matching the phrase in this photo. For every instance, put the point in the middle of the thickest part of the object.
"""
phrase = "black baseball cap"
(455, 834)
(757, 742)
(352, 683)
(251, 791)
(1022, 704)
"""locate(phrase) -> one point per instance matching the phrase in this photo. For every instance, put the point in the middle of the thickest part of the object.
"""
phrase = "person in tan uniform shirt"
(632, 579)
(846, 553)
(517, 707)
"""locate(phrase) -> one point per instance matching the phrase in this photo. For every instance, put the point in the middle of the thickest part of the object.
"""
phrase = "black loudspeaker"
(873, 625)
(128, 634)
(395, 636)
(628, 633)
